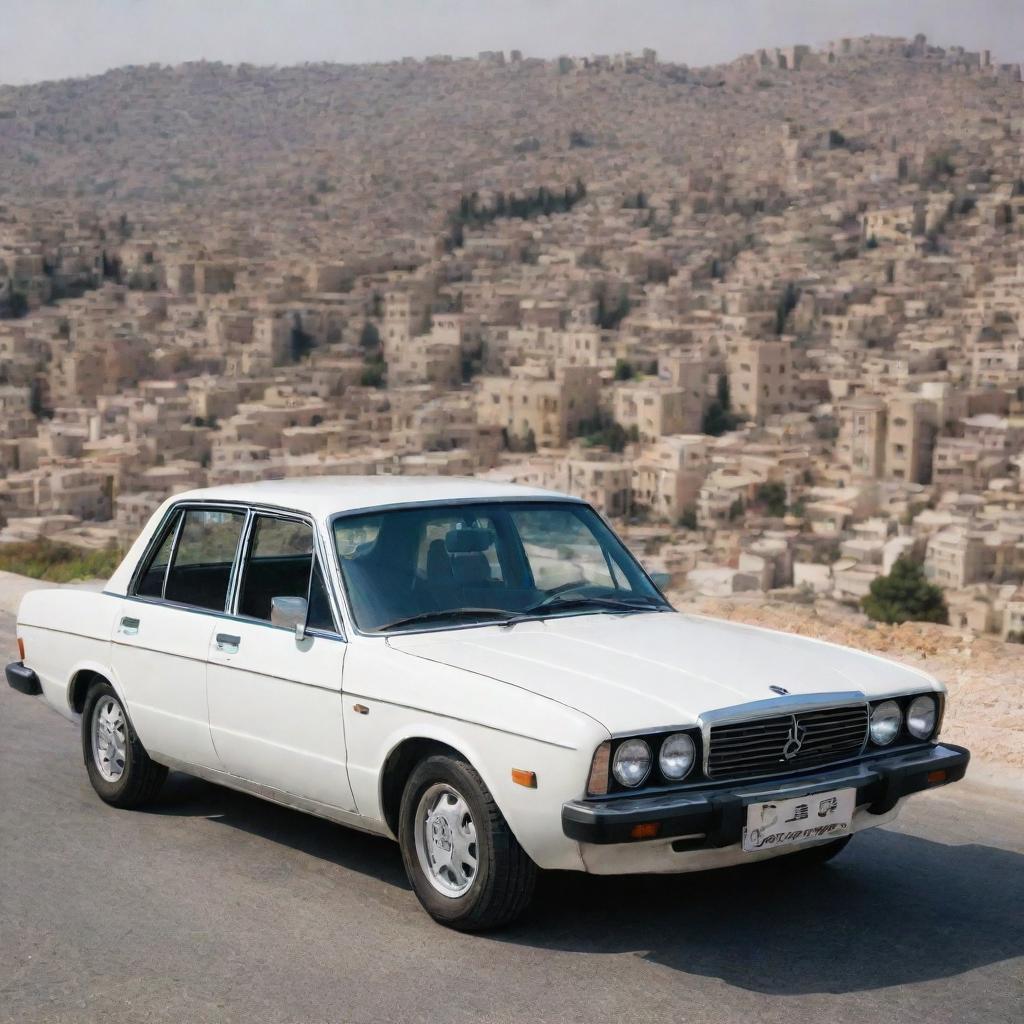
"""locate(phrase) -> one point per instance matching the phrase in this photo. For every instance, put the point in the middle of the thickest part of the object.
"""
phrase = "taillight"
(597, 784)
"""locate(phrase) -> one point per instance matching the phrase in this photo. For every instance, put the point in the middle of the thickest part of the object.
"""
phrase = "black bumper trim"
(715, 817)
(22, 679)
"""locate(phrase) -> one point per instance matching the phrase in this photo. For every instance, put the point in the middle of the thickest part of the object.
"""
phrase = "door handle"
(129, 625)
(227, 643)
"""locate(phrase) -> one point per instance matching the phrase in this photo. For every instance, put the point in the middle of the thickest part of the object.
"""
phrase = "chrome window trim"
(249, 510)
(160, 533)
(173, 553)
(255, 512)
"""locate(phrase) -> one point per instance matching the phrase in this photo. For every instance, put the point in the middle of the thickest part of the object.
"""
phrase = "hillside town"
(768, 317)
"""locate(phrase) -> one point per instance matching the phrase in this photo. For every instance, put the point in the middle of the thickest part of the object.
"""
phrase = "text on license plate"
(801, 819)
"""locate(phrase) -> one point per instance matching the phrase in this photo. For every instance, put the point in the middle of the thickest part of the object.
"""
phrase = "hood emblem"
(780, 690)
(794, 741)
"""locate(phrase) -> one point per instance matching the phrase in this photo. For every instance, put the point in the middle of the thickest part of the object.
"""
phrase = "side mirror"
(290, 612)
(660, 579)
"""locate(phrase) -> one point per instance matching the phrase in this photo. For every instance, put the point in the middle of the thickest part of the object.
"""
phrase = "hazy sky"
(43, 39)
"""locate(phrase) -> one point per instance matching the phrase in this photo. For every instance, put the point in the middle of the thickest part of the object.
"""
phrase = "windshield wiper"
(452, 614)
(642, 604)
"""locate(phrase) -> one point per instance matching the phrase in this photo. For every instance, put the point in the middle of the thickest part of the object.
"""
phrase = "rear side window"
(201, 570)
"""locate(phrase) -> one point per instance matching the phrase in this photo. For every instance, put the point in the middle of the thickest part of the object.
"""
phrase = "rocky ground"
(985, 676)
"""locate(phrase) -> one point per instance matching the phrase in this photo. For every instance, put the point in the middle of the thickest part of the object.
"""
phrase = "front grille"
(768, 746)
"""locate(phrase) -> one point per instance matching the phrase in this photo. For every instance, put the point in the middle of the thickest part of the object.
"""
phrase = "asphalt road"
(214, 906)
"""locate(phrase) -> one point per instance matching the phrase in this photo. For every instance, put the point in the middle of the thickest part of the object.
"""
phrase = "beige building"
(760, 378)
(862, 433)
(533, 403)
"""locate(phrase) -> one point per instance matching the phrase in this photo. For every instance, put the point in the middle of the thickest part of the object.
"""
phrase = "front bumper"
(23, 679)
(714, 817)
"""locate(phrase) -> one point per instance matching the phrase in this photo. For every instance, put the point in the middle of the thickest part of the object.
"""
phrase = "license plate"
(802, 819)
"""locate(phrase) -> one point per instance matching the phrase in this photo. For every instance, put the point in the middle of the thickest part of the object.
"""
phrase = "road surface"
(214, 906)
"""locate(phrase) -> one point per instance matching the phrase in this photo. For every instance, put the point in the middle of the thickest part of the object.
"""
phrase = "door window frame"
(249, 512)
(245, 550)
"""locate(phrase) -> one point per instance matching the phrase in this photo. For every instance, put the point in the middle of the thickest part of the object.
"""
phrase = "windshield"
(436, 566)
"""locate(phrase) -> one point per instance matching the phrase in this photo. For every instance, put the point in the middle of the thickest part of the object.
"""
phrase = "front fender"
(488, 723)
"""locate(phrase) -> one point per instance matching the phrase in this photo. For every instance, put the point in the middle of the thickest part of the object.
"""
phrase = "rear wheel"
(120, 770)
(463, 861)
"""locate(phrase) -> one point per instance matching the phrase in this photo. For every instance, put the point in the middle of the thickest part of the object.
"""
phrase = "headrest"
(468, 539)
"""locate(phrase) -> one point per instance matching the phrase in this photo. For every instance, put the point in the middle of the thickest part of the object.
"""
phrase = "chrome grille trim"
(754, 746)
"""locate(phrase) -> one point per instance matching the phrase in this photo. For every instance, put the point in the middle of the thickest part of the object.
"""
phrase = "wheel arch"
(82, 678)
(398, 766)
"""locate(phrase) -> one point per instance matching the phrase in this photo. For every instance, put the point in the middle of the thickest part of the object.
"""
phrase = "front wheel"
(120, 770)
(464, 864)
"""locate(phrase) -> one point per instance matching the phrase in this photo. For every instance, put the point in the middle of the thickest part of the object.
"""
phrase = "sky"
(47, 39)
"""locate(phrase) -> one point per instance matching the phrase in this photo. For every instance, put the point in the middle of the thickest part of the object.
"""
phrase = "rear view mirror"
(290, 612)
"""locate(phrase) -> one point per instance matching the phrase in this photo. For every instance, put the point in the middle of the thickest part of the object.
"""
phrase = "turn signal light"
(645, 830)
(597, 784)
(21, 648)
(521, 777)
(937, 776)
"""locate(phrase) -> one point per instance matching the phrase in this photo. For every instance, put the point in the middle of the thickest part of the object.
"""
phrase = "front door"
(274, 699)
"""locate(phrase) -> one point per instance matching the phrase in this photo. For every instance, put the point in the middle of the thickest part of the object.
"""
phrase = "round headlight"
(921, 717)
(632, 763)
(676, 756)
(885, 722)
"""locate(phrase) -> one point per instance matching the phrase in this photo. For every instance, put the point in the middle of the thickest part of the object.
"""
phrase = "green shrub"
(58, 563)
(905, 595)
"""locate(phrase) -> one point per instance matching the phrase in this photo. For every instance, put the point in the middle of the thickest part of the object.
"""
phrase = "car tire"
(464, 864)
(120, 770)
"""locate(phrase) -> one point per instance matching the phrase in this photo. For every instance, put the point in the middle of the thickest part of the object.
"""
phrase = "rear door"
(275, 700)
(163, 628)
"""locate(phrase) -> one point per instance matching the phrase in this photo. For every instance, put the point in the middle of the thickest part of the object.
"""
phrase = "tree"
(623, 369)
(905, 595)
(688, 519)
(302, 341)
(787, 302)
(773, 497)
(369, 337)
(373, 374)
(718, 419)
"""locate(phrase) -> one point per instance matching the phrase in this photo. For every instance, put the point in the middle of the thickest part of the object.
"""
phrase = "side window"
(201, 570)
(279, 563)
(151, 580)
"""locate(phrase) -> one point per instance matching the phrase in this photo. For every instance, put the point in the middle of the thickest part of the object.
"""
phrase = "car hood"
(649, 670)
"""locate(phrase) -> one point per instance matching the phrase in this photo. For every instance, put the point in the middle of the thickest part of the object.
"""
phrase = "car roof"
(324, 496)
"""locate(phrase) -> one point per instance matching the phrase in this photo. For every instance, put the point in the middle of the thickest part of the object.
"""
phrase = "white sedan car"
(484, 673)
